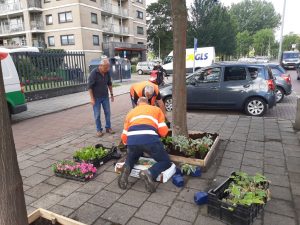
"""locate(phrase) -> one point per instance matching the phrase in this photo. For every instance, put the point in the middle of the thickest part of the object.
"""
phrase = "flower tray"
(233, 215)
(179, 157)
(66, 176)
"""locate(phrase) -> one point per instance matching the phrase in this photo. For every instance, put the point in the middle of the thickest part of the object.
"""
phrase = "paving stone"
(75, 200)
(106, 177)
(47, 172)
(197, 183)
(67, 188)
(187, 195)
(293, 164)
(278, 180)
(252, 162)
(61, 210)
(30, 209)
(184, 211)
(169, 220)
(280, 193)
(233, 155)
(45, 163)
(87, 213)
(114, 187)
(40, 157)
(274, 154)
(134, 198)
(253, 155)
(275, 169)
(56, 181)
(297, 203)
(205, 220)
(101, 221)
(47, 201)
(294, 177)
(140, 186)
(295, 188)
(272, 219)
(280, 207)
(137, 221)
(28, 171)
(119, 213)
(25, 163)
(29, 199)
(231, 163)
(163, 197)
(60, 156)
(40, 190)
(274, 161)
(34, 179)
(105, 198)
(251, 170)
(152, 212)
(25, 187)
(225, 171)
(23, 157)
(92, 187)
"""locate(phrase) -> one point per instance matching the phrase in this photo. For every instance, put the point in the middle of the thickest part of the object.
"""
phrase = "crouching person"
(143, 127)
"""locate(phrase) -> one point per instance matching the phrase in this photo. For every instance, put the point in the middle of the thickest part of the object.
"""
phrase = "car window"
(255, 72)
(210, 75)
(235, 73)
(276, 71)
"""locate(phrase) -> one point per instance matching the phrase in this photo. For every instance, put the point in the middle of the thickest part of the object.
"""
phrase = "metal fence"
(48, 70)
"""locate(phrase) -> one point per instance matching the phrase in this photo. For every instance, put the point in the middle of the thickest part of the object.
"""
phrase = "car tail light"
(22, 88)
(3, 55)
(287, 78)
(271, 85)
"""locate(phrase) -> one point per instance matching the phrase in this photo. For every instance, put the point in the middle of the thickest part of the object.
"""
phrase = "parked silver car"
(249, 87)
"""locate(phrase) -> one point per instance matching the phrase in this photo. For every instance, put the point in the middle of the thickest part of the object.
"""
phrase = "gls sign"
(198, 56)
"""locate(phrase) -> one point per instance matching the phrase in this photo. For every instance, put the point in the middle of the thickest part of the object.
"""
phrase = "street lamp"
(281, 32)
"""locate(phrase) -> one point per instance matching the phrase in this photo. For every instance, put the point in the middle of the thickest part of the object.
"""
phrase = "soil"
(173, 151)
(43, 221)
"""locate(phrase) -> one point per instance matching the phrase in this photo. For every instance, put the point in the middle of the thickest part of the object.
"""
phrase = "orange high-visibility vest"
(137, 91)
(144, 124)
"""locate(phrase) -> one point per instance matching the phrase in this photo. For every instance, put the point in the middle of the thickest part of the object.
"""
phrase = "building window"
(140, 30)
(49, 19)
(95, 39)
(139, 1)
(139, 14)
(67, 39)
(94, 18)
(51, 41)
(65, 17)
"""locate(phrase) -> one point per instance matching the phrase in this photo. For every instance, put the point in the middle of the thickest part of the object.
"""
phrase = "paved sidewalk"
(266, 145)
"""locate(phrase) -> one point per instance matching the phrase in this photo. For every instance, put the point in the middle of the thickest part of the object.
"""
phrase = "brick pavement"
(267, 145)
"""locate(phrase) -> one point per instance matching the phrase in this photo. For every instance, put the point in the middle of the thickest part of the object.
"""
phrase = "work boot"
(123, 178)
(147, 178)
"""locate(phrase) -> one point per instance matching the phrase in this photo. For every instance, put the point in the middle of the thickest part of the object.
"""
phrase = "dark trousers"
(155, 150)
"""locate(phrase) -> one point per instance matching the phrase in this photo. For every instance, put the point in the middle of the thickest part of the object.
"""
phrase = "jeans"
(104, 101)
(156, 151)
(132, 102)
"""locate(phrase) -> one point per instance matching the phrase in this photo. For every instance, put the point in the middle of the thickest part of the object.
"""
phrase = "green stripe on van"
(15, 98)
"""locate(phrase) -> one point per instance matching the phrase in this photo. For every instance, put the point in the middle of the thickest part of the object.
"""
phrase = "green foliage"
(167, 140)
(247, 190)
(160, 27)
(289, 40)
(244, 42)
(90, 153)
(133, 68)
(262, 40)
(187, 168)
(254, 15)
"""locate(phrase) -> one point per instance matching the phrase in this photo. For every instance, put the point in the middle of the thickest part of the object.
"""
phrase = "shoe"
(99, 134)
(147, 178)
(110, 131)
(123, 178)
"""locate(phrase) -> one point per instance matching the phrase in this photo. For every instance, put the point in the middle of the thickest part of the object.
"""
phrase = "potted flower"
(74, 170)
(194, 171)
(91, 154)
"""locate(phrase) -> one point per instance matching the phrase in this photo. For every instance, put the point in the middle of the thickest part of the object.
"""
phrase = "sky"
(292, 13)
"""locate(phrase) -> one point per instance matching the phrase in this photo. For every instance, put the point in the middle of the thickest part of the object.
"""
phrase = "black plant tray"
(240, 215)
(81, 179)
(113, 154)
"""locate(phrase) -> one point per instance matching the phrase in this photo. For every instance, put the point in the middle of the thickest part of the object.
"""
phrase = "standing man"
(98, 84)
(143, 127)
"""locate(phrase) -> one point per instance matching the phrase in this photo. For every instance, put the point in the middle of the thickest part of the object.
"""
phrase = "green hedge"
(133, 68)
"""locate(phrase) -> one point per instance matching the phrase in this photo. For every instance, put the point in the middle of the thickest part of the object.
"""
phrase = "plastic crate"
(240, 215)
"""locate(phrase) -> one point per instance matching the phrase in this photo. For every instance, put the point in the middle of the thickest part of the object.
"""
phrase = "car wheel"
(168, 103)
(140, 72)
(279, 94)
(255, 107)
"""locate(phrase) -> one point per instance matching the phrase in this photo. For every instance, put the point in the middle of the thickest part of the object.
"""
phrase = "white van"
(14, 91)
(203, 57)
(145, 67)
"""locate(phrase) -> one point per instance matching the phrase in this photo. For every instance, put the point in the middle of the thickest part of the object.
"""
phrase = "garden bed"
(244, 210)
(200, 158)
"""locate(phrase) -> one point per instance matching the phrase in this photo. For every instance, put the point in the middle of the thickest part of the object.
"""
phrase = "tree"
(179, 15)
(244, 42)
(12, 204)
(289, 40)
(159, 24)
(212, 25)
(255, 15)
(262, 41)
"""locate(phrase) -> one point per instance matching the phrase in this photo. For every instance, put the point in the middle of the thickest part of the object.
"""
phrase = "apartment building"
(97, 27)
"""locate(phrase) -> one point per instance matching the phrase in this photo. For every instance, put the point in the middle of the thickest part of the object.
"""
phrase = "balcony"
(10, 8)
(113, 9)
(11, 29)
(36, 25)
(111, 28)
(34, 5)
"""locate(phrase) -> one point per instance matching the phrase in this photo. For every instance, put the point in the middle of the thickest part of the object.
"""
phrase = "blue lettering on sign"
(201, 56)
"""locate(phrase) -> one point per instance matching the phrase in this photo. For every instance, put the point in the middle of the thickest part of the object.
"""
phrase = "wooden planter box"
(42, 213)
(203, 163)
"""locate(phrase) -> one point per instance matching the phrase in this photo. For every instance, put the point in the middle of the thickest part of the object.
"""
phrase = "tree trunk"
(179, 16)
(12, 202)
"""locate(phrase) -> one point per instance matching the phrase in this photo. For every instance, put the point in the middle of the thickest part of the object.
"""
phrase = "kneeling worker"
(143, 127)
